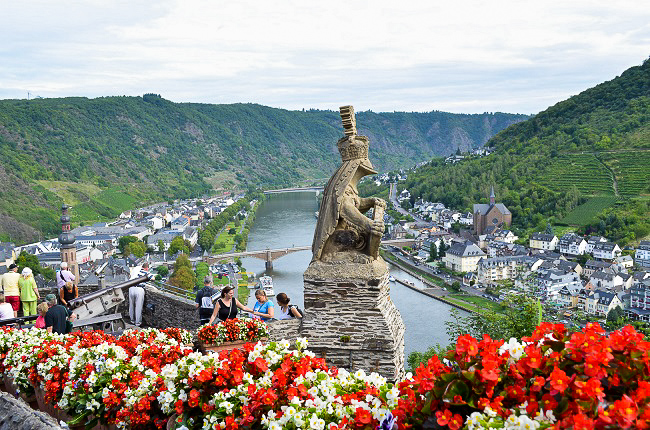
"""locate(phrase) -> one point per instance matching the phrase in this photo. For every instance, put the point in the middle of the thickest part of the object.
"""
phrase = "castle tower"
(68, 248)
(492, 196)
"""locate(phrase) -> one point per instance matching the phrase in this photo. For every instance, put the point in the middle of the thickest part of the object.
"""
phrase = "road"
(392, 196)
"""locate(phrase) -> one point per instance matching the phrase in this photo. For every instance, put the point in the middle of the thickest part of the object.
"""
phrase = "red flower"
(558, 379)
(443, 417)
(467, 345)
(362, 417)
(456, 422)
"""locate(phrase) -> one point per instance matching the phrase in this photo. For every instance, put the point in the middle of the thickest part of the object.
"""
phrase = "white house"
(642, 254)
(572, 244)
(606, 281)
(606, 251)
(600, 302)
(592, 241)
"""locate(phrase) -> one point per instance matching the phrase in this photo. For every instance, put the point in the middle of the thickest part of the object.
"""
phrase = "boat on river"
(391, 278)
(266, 283)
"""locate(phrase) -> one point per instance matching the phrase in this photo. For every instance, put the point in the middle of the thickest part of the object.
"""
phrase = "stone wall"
(351, 320)
(170, 310)
(15, 414)
(285, 329)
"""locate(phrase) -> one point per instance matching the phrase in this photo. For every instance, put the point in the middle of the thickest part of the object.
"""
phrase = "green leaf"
(457, 388)
(78, 418)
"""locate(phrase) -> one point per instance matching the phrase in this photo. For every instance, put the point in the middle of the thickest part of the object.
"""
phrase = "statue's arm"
(367, 203)
(352, 215)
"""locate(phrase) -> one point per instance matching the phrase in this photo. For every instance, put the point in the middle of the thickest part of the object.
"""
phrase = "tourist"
(204, 301)
(64, 275)
(41, 309)
(67, 293)
(286, 311)
(227, 306)
(28, 292)
(10, 288)
(6, 311)
(263, 309)
(136, 301)
(57, 316)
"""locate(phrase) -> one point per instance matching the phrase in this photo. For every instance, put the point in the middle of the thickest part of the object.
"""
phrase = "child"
(42, 310)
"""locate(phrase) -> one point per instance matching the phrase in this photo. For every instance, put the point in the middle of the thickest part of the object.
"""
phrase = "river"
(286, 220)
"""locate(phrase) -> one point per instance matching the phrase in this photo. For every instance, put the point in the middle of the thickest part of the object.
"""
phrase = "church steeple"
(492, 196)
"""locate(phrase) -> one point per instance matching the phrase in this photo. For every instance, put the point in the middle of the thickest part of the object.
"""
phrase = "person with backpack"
(204, 301)
(286, 311)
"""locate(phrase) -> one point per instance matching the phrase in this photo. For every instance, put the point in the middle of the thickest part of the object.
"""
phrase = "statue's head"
(356, 148)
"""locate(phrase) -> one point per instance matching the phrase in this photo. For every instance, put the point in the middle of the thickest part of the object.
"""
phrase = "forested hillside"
(106, 155)
(582, 162)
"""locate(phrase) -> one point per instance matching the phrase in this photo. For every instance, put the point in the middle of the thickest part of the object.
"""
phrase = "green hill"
(584, 162)
(109, 154)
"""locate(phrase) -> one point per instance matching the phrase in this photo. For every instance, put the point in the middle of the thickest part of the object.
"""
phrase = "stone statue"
(343, 233)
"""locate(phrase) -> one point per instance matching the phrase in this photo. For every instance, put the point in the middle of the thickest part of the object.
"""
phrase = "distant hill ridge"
(582, 157)
(105, 155)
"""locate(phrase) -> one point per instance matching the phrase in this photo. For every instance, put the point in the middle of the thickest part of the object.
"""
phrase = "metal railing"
(172, 289)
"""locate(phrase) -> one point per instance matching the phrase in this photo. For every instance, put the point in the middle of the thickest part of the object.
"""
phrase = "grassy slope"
(109, 154)
(596, 144)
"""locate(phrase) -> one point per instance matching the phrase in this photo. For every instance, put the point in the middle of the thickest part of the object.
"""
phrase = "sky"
(462, 56)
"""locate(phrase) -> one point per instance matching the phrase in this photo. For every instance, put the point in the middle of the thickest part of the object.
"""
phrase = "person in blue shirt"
(263, 309)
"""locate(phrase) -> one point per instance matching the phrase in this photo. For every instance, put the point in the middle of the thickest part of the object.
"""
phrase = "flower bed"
(233, 330)
(552, 379)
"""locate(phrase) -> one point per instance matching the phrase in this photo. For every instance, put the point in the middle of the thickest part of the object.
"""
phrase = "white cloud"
(462, 56)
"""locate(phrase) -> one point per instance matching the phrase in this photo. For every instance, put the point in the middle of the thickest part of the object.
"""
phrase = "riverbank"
(413, 271)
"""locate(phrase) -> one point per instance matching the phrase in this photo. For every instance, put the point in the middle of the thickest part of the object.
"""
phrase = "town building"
(638, 301)
(642, 254)
(463, 257)
(488, 217)
(492, 270)
(600, 302)
(547, 283)
(592, 241)
(543, 241)
(607, 251)
(572, 245)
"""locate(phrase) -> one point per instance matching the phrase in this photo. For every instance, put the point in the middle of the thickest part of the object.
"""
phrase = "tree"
(184, 278)
(178, 244)
(161, 245)
(182, 261)
(615, 318)
(232, 231)
(28, 260)
(433, 252)
(442, 249)
(458, 151)
(455, 286)
(125, 240)
(162, 271)
(137, 248)
(549, 229)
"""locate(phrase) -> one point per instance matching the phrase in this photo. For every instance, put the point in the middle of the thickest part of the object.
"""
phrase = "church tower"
(492, 196)
(68, 248)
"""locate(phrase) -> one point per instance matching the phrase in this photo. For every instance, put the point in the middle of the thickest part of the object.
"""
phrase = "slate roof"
(543, 237)
(466, 249)
(484, 208)
(605, 246)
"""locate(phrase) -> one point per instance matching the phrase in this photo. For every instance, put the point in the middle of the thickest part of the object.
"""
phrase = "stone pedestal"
(350, 318)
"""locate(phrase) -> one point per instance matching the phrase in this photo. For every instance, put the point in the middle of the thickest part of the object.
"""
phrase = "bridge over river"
(317, 190)
(268, 255)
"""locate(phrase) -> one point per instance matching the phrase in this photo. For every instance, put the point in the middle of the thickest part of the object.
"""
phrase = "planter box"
(13, 390)
(227, 346)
